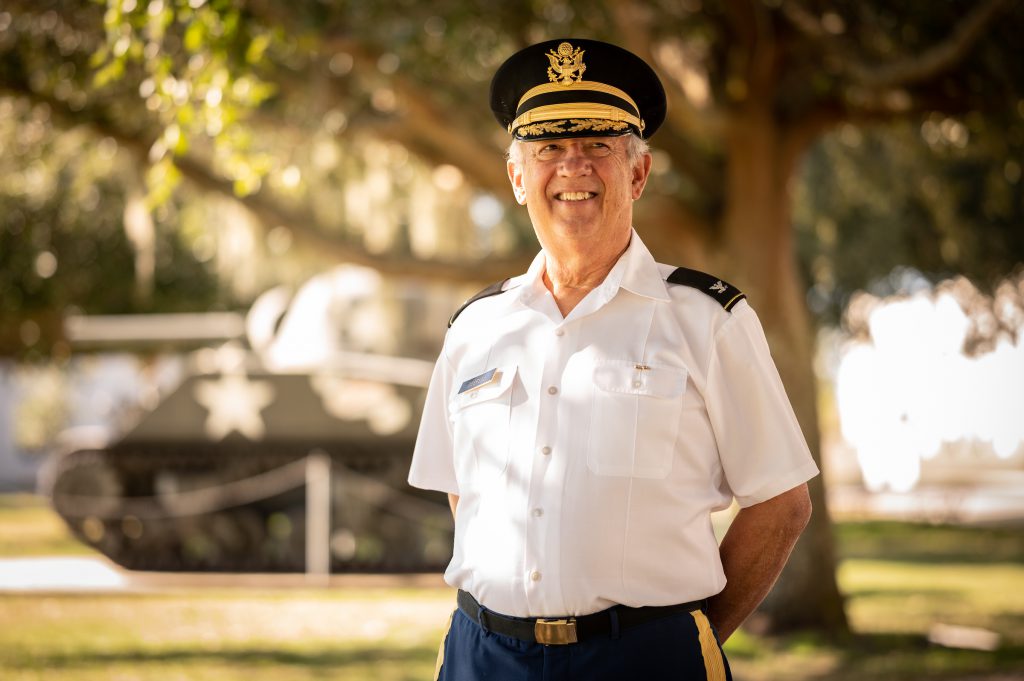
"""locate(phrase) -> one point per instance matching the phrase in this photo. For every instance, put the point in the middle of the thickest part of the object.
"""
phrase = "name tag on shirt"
(480, 381)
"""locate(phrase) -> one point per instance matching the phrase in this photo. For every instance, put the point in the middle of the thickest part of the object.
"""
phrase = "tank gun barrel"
(180, 331)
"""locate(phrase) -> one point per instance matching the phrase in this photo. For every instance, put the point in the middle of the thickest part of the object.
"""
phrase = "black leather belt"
(562, 631)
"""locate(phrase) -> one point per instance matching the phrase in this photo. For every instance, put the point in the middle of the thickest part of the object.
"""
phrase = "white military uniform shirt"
(588, 462)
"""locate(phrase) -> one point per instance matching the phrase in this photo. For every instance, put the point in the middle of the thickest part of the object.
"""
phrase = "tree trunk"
(756, 253)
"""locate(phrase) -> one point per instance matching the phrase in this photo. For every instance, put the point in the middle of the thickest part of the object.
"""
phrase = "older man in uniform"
(585, 418)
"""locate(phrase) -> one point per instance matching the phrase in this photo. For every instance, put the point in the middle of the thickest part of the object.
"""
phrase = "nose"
(575, 161)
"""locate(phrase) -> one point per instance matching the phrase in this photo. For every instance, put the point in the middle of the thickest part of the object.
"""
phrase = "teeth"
(575, 196)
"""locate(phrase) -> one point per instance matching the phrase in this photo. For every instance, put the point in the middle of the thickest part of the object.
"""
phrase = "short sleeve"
(433, 463)
(761, 447)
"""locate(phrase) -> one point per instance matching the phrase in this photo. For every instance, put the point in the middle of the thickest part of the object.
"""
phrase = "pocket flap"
(637, 378)
(498, 386)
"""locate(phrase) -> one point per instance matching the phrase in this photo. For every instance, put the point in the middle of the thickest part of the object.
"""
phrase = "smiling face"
(579, 191)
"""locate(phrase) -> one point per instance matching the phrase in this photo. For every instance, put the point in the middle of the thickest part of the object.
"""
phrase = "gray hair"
(636, 147)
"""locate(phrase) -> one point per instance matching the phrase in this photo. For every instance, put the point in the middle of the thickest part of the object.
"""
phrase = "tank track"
(198, 507)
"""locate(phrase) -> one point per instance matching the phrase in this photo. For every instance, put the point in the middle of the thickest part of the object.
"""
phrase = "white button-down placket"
(544, 526)
(543, 537)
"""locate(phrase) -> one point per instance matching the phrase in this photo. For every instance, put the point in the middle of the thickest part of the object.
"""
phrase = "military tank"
(214, 477)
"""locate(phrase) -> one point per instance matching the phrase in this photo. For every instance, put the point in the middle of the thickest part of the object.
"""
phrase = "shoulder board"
(725, 293)
(492, 290)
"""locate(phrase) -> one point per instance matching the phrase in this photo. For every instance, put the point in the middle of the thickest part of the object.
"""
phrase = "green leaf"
(101, 54)
(162, 179)
(247, 184)
(257, 47)
(195, 35)
(109, 73)
(186, 117)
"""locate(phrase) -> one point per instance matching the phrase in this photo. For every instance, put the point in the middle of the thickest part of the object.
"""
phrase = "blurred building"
(929, 390)
(17, 470)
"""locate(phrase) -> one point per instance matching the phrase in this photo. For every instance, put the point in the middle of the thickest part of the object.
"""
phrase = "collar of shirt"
(635, 270)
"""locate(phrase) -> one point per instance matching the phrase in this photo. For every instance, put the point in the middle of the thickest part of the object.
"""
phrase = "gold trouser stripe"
(440, 650)
(714, 666)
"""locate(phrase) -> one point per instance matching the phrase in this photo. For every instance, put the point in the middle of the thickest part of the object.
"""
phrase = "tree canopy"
(224, 93)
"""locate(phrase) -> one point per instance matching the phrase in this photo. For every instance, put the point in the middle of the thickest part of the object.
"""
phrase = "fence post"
(318, 518)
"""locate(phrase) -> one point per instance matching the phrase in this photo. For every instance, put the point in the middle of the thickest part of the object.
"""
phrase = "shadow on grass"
(1008, 622)
(949, 595)
(933, 544)
(334, 658)
(888, 657)
(878, 657)
(911, 657)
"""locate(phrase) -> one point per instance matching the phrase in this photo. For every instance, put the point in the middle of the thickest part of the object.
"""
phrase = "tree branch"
(298, 220)
(696, 133)
(451, 140)
(801, 134)
(757, 47)
(803, 21)
(306, 229)
(925, 66)
(633, 21)
(437, 135)
(935, 60)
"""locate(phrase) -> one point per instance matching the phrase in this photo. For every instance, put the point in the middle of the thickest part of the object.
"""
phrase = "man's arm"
(453, 501)
(754, 551)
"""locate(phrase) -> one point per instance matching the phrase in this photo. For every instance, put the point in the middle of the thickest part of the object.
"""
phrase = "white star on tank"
(234, 403)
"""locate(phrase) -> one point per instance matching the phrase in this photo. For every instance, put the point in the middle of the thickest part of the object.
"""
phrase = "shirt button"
(545, 451)
(535, 576)
(552, 390)
(538, 512)
(559, 332)
(637, 384)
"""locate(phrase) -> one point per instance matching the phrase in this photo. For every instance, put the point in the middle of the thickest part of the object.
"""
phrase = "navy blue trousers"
(679, 647)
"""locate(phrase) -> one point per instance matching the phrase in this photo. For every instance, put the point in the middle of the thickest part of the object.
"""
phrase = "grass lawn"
(901, 580)
(248, 635)
(28, 527)
(893, 606)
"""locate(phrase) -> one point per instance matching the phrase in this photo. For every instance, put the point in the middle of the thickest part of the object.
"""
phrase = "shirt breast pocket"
(635, 418)
(481, 419)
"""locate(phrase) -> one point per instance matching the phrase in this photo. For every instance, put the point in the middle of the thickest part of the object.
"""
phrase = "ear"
(515, 176)
(641, 171)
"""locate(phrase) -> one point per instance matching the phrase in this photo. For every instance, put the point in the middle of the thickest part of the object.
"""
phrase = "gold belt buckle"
(555, 632)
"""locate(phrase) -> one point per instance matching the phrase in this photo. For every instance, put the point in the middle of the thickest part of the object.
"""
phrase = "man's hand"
(754, 551)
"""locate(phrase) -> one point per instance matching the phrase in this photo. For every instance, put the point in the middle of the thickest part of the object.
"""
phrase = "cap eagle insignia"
(567, 65)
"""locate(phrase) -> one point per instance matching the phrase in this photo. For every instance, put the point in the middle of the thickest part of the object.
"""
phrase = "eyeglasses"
(555, 150)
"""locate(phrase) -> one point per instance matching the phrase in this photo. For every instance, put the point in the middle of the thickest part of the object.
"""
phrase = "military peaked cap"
(576, 88)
